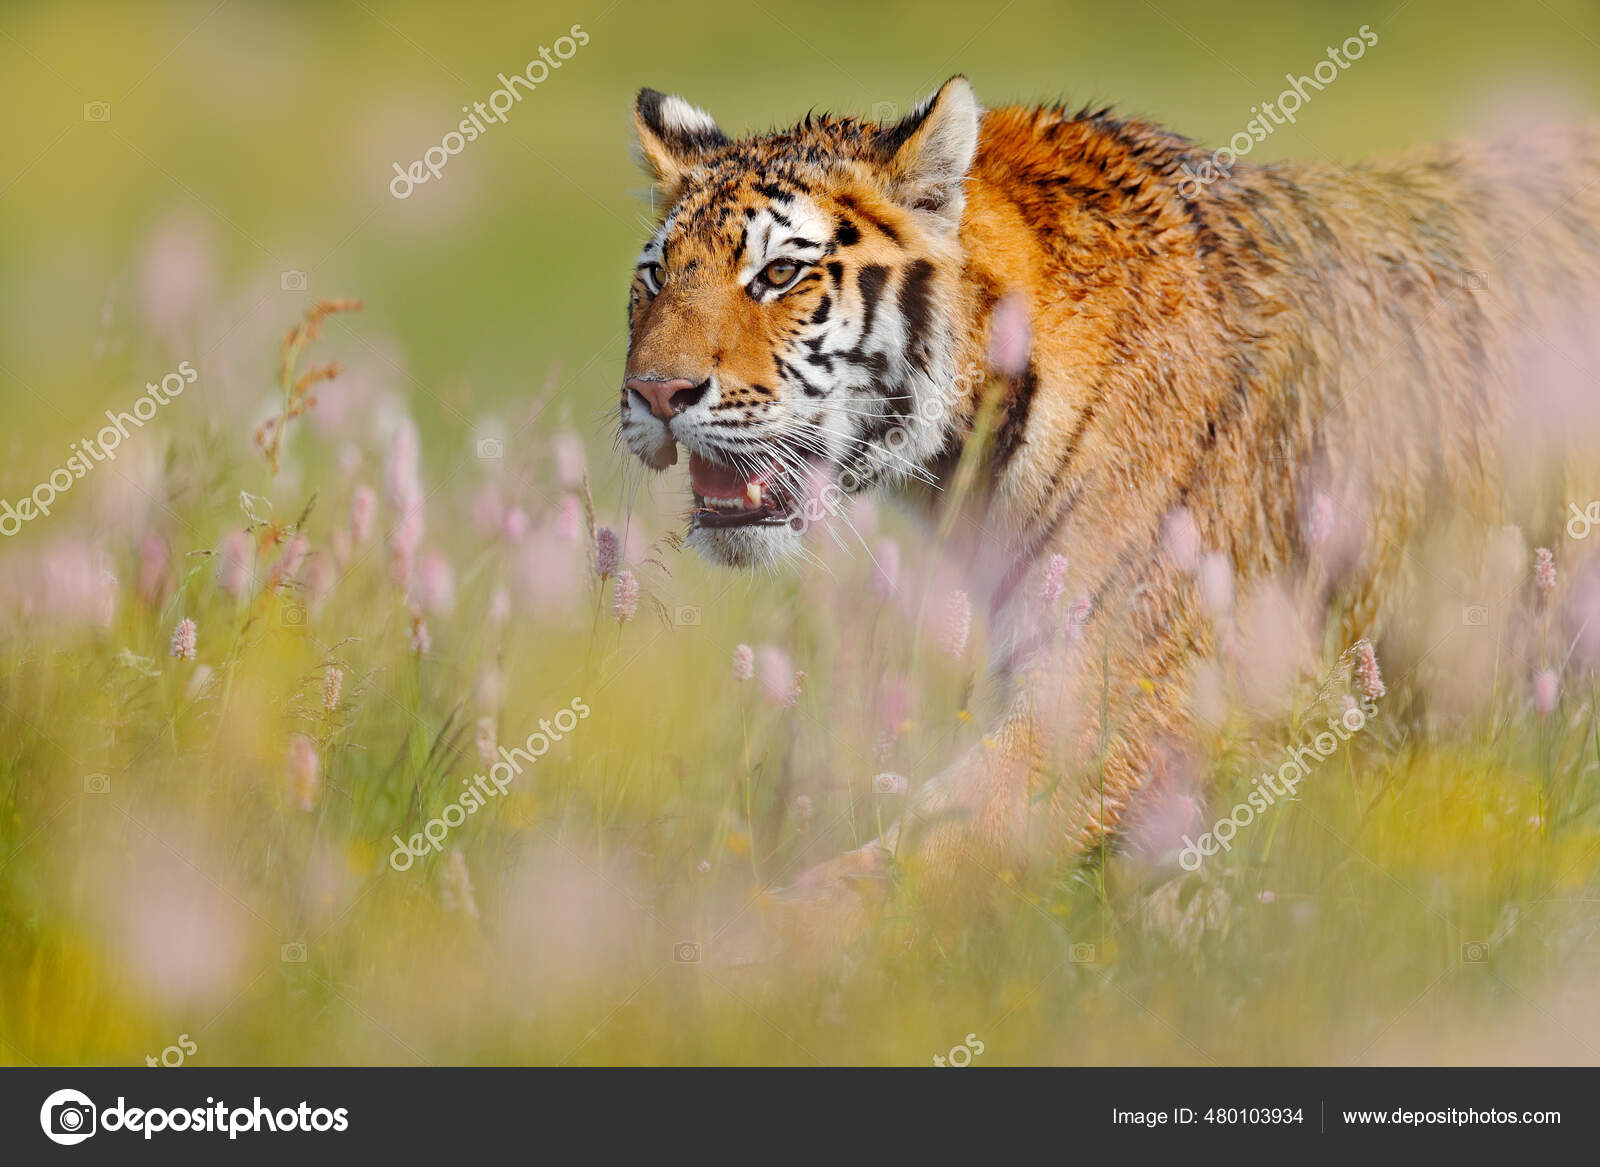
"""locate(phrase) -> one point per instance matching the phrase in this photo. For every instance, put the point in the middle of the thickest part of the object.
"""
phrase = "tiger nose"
(667, 399)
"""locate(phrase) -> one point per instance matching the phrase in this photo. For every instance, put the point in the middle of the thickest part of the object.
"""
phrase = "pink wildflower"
(233, 564)
(1216, 583)
(625, 601)
(154, 559)
(406, 534)
(568, 450)
(744, 663)
(363, 511)
(1010, 336)
(1055, 580)
(1181, 539)
(488, 741)
(1369, 679)
(339, 542)
(305, 777)
(491, 688)
(607, 552)
(401, 563)
(1544, 570)
(456, 894)
(488, 509)
(421, 642)
(569, 518)
(516, 525)
(183, 639)
(499, 607)
(178, 277)
(288, 564)
(402, 480)
(1546, 691)
(319, 581)
(1319, 523)
(436, 584)
(957, 625)
(777, 675)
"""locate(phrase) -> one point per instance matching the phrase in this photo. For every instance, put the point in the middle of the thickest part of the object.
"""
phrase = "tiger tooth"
(752, 491)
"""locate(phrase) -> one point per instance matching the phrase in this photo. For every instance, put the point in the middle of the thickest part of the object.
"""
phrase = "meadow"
(264, 662)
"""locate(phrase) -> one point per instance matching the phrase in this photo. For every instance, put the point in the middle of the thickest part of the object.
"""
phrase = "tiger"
(1199, 357)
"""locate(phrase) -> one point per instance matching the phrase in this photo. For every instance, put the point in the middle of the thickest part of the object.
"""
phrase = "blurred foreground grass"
(215, 847)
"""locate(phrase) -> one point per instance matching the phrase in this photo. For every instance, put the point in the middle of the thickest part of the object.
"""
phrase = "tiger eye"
(779, 272)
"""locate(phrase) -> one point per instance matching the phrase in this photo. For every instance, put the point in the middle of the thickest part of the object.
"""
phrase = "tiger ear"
(673, 137)
(925, 156)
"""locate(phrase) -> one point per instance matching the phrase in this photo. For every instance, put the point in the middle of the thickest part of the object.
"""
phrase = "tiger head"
(795, 318)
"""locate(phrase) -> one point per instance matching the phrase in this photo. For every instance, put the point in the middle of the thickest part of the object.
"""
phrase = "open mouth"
(725, 496)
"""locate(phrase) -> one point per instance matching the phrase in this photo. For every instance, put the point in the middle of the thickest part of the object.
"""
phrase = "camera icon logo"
(97, 784)
(1474, 615)
(1081, 953)
(1474, 952)
(884, 112)
(686, 616)
(97, 111)
(1475, 281)
(293, 615)
(68, 1117)
(293, 281)
(889, 782)
(686, 952)
(293, 953)
(491, 449)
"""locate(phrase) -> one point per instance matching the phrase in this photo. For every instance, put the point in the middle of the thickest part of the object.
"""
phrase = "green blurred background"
(257, 138)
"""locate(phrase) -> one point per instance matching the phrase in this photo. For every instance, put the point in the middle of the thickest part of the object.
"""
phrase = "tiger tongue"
(713, 480)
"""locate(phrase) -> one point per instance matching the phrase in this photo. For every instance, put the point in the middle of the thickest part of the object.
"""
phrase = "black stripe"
(869, 218)
(916, 308)
(870, 283)
(1019, 407)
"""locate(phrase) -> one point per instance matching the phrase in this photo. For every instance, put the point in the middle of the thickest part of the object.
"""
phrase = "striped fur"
(1231, 351)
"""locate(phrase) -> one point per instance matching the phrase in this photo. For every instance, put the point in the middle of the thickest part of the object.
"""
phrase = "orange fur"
(1228, 351)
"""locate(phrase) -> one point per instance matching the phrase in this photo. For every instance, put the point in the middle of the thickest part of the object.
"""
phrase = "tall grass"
(203, 846)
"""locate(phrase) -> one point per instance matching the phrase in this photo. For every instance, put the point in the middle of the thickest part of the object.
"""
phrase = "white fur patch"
(678, 116)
